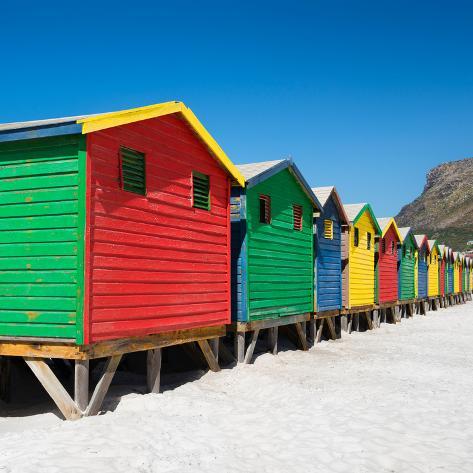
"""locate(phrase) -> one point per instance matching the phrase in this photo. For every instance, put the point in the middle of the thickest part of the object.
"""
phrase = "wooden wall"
(156, 262)
(41, 234)
(387, 268)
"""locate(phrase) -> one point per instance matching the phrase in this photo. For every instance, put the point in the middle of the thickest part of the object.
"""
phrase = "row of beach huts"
(133, 231)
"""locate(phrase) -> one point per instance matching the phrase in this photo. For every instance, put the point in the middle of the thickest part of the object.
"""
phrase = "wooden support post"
(81, 384)
(375, 318)
(301, 335)
(368, 320)
(350, 323)
(5, 378)
(331, 328)
(240, 346)
(312, 331)
(54, 388)
(251, 347)
(344, 323)
(214, 343)
(273, 340)
(153, 370)
(355, 322)
(208, 355)
(101, 389)
(318, 336)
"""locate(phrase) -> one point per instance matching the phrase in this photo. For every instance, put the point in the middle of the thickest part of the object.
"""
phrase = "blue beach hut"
(329, 226)
(423, 252)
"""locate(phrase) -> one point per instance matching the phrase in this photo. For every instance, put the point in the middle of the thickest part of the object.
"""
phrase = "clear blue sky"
(364, 95)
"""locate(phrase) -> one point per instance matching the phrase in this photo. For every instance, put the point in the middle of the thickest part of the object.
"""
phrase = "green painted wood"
(407, 269)
(279, 258)
(41, 238)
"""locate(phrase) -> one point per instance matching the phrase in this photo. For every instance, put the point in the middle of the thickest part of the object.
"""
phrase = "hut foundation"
(293, 325)
(37, 354)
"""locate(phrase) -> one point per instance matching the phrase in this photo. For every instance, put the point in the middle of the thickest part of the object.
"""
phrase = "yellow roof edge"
(396, 229)
(123, 117)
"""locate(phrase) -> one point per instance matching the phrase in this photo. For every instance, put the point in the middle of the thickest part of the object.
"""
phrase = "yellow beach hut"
(363, 228)
(456, 272)
(433, 269)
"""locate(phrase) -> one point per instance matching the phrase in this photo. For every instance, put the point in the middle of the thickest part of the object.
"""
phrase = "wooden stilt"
(240, 347)
(101, 389)
(54, 388)
(344, 323)
(312, 331)
(331, 328)
(214, 343)
(251, 347)
(368, 320)
(350, 323)
(153, 370)
(318, 336)
(273, 340)
(208, 355)
(5, 378)
(301, 335)
(81, 384)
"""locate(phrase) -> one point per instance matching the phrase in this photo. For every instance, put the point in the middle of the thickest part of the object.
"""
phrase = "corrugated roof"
(323, 193)
(419, 239)
(254, 173)
(352, 210)
(404, 231)
(89, 123)
(383, 222)
(47, 122)
(431, 244)
(252, 170)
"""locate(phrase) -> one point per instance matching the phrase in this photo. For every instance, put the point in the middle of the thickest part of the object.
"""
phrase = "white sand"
(398, 399)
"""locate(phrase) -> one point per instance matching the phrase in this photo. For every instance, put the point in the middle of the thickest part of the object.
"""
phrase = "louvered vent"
(328, 229)
(297, 216)
(264, 209)
(200, 190)
(132, 171)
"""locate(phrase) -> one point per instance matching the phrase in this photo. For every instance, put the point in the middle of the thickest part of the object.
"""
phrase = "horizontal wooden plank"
(39, 263)
(37, 289)
(38, 249)
(37, 317)
(62, 276)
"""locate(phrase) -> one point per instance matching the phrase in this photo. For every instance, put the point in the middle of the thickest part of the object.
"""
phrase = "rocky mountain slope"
(444, 210)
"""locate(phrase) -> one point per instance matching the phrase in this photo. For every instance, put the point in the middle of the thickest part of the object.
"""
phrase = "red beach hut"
(386, 264)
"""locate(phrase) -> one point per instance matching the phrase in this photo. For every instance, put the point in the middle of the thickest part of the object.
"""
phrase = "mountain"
(444, 210)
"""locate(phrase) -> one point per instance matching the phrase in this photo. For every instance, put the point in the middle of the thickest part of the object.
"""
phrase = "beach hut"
(406, 265)
(361, 236)
(449, 270)
(433, 270)
(118, 240)
(272, 251)
(442, 265)
(386, 261)
(329, 226)
(456, 272)
(423, 255)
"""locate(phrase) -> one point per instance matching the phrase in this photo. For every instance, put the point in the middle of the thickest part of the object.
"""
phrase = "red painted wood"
(460, 283)
(156, 263)
(387, 268)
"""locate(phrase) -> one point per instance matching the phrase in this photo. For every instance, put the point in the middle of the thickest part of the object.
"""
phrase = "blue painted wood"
(422, 274)
(450, 278)
(328, 260)
(40, 132)
(238, 249)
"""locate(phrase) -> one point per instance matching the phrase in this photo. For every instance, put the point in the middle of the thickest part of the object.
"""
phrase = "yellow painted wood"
(361, 263)
(416, 272)
(456, 276)
(433, 272)
(123, 117)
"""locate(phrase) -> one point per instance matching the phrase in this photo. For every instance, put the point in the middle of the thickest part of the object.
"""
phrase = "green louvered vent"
(132, 171)
(201, 190)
